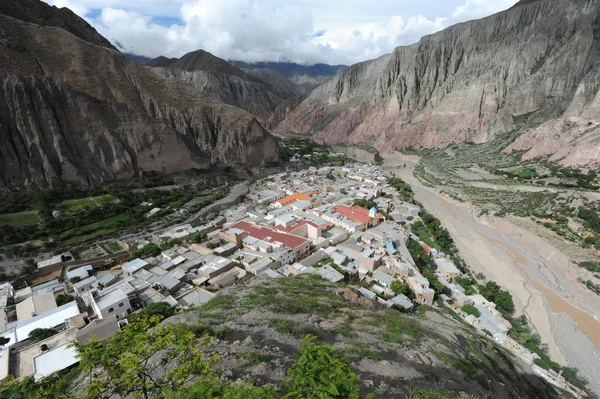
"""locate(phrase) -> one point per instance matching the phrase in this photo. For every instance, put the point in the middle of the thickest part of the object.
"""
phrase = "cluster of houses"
(288, 224)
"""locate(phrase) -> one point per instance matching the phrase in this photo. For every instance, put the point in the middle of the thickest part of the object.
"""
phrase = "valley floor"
(542, 279)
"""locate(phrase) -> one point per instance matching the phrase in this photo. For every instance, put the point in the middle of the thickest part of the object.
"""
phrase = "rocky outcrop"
(40, 13)
(259, 92)
(511, 72)
(82, 113)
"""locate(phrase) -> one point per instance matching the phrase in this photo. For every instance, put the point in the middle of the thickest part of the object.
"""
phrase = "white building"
(114, 302)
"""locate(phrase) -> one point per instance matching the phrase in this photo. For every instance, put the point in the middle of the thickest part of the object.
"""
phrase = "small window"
(110, 310)
(121, 305)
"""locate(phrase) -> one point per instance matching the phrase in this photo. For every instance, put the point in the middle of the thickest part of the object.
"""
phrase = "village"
(345, 223)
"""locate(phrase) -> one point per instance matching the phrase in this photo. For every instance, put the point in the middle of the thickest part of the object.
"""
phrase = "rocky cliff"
(533, 69)
(75, 110)
(258, 93)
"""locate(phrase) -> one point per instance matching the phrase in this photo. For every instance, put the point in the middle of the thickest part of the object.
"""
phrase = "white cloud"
(272, 30)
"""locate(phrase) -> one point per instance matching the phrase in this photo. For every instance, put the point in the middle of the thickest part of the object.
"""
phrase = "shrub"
(472, 310)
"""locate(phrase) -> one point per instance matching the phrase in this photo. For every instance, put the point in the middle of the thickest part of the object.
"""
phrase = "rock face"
(76, 110)
(259, 92)
(532, 69)
(306, 76)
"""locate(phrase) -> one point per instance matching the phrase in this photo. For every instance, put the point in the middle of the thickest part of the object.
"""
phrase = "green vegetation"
(589, 284)
(285, 326)
(26, 214)
(494, 293)
(63, 299)
(75, 206)
(404, 190)
(365, 203)
(25, 218)
(432, 233)
(523, 334)
(319, 373)
(39, 334)
(472, 310)
(114, 246)
(310, 152)
(468, 284)
(398, 287)
(198, 237)
(146, 251)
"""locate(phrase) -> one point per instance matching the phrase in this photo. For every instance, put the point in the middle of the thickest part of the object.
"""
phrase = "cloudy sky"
(303, 31)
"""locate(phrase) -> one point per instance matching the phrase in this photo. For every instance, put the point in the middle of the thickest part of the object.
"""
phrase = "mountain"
(73, 108)
(138, 59)
(257, 93)
(532, 70)
(307, 76)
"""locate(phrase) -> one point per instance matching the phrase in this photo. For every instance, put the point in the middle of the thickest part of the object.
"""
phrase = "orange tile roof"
(290, 199)
(354, 214)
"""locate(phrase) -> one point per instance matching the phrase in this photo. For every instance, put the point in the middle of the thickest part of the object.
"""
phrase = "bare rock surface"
(532, 69)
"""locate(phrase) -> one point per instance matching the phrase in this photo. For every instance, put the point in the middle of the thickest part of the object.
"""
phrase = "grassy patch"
(102, 227)
(254, 359)
(75, 206)
(27, 218)
(359, 351)
(465, 367)
(285, 326)
(114, 246)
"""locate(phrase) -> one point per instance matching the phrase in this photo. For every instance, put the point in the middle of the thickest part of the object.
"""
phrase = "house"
(370, 295)
(212, 266)
(64, 257)
(329, 273)
(101, 329)
(80, 272)
(447, 268)
(383, 278)
(401, 300)
(195, 297)
(133, 266)
(49, 319)
(370, 260)
(234, 236)
(299, 245)
(35, 305)
(108, 303)
(290, 199)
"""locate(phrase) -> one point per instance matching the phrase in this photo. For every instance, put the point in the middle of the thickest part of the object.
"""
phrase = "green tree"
(320, 374)
(143, 362)
(198, 237)
(472, 310)
(62, 299)
(398, 287)
(38, 334)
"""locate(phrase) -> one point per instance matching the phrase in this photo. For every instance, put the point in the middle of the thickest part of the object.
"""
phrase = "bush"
(39, 334)
(63, 299)
(198, 237)
(472, 310)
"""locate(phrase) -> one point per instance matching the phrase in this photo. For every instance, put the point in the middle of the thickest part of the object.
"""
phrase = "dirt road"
(539, 276)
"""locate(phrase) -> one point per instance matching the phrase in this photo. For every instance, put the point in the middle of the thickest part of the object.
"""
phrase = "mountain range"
(532, 72)
(74, 108)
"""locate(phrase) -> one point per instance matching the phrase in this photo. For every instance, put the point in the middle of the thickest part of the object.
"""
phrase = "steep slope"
(511, 72)
(74, 111)
(40, 13)
(306, 76)
(392, 353)
(138, 59)
(226, 83)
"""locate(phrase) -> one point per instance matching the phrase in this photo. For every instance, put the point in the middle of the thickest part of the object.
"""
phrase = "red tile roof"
(271, 236)
(353, 214)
